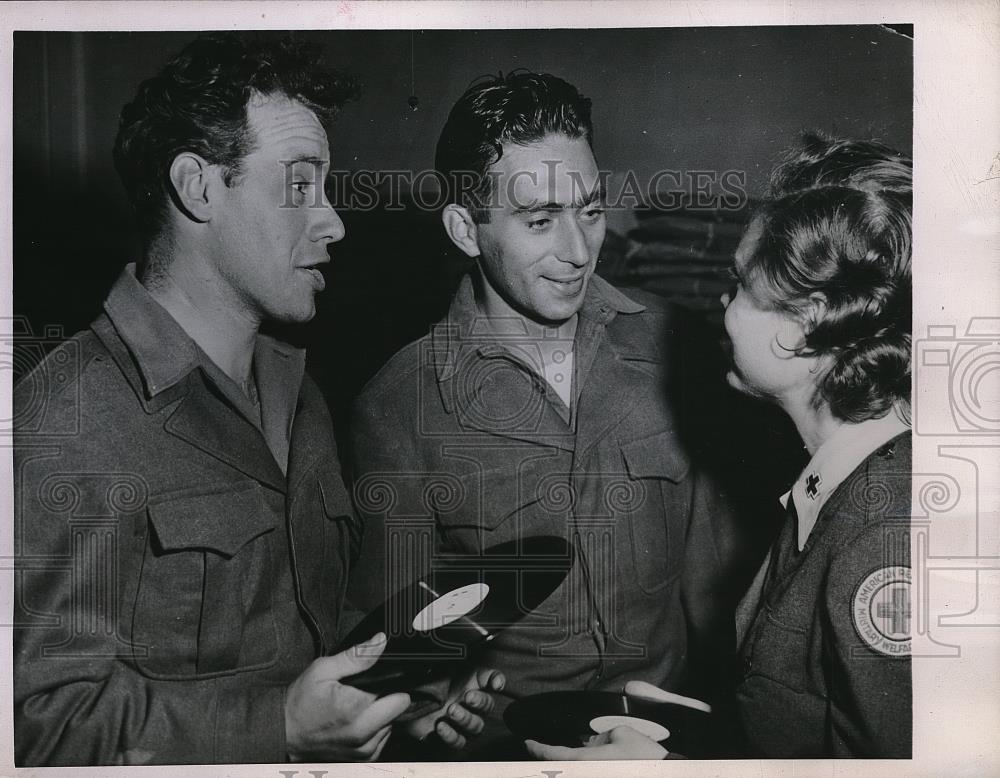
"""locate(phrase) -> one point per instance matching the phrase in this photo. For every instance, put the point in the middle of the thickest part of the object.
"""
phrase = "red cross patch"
(882, 610)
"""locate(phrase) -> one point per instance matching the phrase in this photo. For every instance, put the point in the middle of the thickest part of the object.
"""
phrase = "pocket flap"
(336, 501)
(656, 456)
(222, 521)
(498, 493)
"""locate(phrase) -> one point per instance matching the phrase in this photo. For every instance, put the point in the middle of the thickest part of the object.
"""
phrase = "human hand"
(619, 743)
(457, 708)
(326, 720)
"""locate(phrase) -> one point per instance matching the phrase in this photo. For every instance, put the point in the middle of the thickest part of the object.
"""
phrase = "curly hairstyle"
(834, 251)
(521, 107)
(198, 103)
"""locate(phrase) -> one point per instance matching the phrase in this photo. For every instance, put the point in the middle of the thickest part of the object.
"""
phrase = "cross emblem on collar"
(813, 481)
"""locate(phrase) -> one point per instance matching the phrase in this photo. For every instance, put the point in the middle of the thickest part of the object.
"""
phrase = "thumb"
(356, 658)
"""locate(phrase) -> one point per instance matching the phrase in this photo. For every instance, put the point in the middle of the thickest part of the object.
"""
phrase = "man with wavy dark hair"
(540, 406)
(520, 109)
(190, 536)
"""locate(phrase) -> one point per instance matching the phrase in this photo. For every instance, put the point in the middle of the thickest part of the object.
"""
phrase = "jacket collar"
(163, 353)
(502, 402)
(833, 462)
(464, 326)
(162, 356)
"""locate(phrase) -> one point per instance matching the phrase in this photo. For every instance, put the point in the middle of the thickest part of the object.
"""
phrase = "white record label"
(451, 606)
(650, 729)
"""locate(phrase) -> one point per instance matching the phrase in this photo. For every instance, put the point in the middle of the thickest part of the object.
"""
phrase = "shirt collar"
(833, 461)
(601, 302)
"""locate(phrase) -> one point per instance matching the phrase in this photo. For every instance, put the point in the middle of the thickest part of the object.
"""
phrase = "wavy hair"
(198, 103)
(834, 251)
(521, 108)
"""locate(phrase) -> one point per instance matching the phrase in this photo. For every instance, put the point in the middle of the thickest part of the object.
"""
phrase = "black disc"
(466, 600)
(571, 718)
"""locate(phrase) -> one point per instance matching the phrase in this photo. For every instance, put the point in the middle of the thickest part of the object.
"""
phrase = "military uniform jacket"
(457, 446)
(171, 580)
(826, 662)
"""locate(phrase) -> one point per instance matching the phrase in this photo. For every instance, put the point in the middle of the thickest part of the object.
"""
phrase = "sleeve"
(711, 584)
(725, 541)
(707, 583)
(79, 698)
(387, 489)
(867, 614)
(113, 716)
(717, 570)
(733, 511)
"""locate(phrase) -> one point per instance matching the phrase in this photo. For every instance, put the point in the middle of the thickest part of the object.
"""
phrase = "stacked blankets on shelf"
(682, 255)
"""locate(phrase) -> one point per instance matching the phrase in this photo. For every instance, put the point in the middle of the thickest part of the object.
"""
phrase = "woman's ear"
(461, 229)
(790, 339)
(813, 313)
(805, 321)
(816, 309)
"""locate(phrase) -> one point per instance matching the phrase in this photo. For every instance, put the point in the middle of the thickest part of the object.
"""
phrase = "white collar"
(833, 461)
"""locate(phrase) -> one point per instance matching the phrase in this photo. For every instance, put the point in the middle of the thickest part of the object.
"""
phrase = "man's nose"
(726, 298)
(327, 225)
(573, 246)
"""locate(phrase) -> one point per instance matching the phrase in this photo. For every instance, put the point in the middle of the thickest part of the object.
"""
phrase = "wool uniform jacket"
(171, 579)
(458, 445)
(826, 662)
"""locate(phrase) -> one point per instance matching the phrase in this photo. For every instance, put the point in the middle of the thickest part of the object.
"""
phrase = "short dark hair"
(198, 103)
(521, 107)
(837, 224)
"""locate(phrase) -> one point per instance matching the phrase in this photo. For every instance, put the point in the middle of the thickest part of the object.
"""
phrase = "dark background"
(712, 99)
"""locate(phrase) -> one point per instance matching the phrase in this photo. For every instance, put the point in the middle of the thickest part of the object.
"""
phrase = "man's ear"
(191, 179)
(461, 229)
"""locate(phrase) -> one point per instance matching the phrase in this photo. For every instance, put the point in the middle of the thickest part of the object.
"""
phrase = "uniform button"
(747, 664)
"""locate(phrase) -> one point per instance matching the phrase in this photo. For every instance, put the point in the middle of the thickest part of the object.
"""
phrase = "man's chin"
(555, 315)
(293, 318)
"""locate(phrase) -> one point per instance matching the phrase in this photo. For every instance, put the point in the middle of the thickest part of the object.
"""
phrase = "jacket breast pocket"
(656, 507)
(515, 494)
(203, 602)
(779, 652)
(784, 714)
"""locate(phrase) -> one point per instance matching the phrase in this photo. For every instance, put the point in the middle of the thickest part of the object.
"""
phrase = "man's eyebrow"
(595, 195)
(589, 198)
(310, 159)
(535, 207)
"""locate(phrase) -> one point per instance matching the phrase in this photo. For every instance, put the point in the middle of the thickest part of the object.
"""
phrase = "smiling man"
(185, 547)
(539, 406)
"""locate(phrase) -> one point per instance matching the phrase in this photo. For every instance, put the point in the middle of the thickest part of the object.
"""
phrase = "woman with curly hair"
(820, 324)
